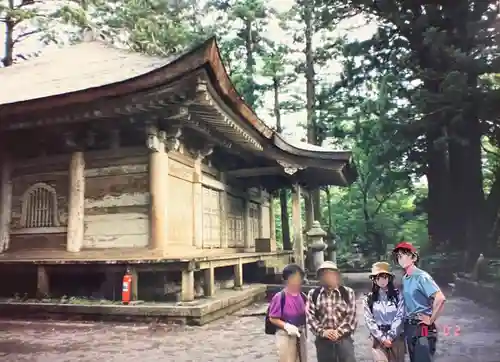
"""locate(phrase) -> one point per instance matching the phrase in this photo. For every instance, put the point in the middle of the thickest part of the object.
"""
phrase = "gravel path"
(236, 338)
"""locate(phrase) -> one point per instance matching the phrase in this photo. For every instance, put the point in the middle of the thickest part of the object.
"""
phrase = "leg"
(398, 349)
(409, 332)
(302, 353)
(345, 350)
(420, 349)
(423, 350)
(287, 347)
(324, 350)
(378, 352)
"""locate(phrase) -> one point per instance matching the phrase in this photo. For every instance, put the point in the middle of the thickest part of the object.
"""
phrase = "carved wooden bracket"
(73, 142)
(204, 151)
(172, 138)
(289, 168)
(153, 139)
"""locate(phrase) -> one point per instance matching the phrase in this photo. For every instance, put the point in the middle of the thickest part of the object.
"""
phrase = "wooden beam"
(6, 199)
(76, 207)
(187, 285)
(255, 172)
(158, 188)
(298, 240)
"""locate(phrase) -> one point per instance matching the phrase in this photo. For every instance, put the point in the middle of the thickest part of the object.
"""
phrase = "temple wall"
(180, 201)
(117, 201)
(117, 204)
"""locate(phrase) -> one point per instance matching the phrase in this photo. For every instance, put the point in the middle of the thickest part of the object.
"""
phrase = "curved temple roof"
(90, 71)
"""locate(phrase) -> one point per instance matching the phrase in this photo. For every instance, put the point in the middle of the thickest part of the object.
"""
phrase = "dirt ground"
(236, 338)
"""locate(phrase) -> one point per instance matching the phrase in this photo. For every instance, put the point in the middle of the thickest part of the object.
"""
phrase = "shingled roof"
(74, 68)
(94, 70)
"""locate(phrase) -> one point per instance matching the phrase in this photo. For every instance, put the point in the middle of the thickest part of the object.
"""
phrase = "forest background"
(410, 86)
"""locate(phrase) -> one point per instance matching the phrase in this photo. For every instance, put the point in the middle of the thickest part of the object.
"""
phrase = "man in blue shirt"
(423, 303)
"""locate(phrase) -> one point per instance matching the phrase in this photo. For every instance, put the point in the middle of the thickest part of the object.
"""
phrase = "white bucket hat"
(328, 265)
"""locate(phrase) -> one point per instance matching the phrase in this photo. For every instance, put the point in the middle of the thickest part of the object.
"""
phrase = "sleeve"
(349, 324)
(311, 315)
(428, 286)
(397, 323)
(370, 320)
(275, 306)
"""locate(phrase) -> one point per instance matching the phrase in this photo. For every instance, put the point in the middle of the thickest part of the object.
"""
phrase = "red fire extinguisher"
(126, 287)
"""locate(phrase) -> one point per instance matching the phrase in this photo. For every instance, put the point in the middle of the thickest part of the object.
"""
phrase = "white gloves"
(292, 330)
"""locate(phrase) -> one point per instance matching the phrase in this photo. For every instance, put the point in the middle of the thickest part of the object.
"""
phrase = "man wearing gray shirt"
(383, 314)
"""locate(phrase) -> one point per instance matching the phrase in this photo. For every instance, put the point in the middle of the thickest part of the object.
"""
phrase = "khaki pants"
(287, 346)
(394, 354)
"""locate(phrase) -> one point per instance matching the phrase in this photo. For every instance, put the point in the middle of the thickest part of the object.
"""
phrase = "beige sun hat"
(381, 267)
(327, 265)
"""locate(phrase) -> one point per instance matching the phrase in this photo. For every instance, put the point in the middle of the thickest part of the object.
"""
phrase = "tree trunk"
(438, 200)
(8, 59)
(467, 188)
(250, 63)
(310, 102)
(285, 226)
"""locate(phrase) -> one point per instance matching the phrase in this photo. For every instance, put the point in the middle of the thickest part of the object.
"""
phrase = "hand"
(425, 319)
(331, 334)
(291, 330)
(387, 343)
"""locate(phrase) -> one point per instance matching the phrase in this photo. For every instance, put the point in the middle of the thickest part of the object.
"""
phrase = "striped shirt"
(331, 312)
(385, 313)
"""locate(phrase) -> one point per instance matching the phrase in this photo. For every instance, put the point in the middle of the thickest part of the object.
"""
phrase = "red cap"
(405, 245)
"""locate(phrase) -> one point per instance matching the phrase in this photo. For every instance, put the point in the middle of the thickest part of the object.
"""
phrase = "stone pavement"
(236, 338)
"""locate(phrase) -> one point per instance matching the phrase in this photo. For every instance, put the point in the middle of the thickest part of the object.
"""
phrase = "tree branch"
(24, 35)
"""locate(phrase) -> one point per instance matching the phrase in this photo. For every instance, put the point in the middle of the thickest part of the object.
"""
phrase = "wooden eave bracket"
(206, 97)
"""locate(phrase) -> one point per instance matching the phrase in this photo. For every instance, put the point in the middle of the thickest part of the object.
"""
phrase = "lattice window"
(39, 207)
(236, 223)
(211, 218)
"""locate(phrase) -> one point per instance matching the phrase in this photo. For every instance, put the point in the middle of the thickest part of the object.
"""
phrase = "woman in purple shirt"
(287, 311)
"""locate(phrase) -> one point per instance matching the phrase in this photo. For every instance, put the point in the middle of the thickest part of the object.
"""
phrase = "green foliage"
(152, 26)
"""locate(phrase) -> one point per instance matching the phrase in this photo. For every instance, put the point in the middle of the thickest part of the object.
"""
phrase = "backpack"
(370, 300)
(270, 328)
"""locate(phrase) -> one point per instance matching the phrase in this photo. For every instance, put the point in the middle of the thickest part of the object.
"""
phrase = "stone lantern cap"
(316, 230)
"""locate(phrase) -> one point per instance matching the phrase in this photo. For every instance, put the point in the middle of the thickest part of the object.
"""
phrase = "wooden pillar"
(6, 205)
(272, 218)
(247, 225)
(209, 282)
(197, 203)
(298, 241)
(224, 208)
(158, 188)
(187, 285)
(76, 204)
(134, 288)
(42, 282)
(309, 209)
(238, 275)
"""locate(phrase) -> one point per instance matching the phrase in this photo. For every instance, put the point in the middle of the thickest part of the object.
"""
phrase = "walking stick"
(299, 352)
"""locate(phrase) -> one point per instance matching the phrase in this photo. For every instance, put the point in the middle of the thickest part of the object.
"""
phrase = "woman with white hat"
(383, 314)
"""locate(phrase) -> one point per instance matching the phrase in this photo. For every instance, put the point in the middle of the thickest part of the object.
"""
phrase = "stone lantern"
(331, 250)
(316, 246)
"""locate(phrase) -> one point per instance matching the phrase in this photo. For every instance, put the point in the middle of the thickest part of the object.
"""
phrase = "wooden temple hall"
(112, 160)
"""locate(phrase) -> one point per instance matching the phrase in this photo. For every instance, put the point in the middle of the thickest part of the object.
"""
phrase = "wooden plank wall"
(117, 201)
(180, 201)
